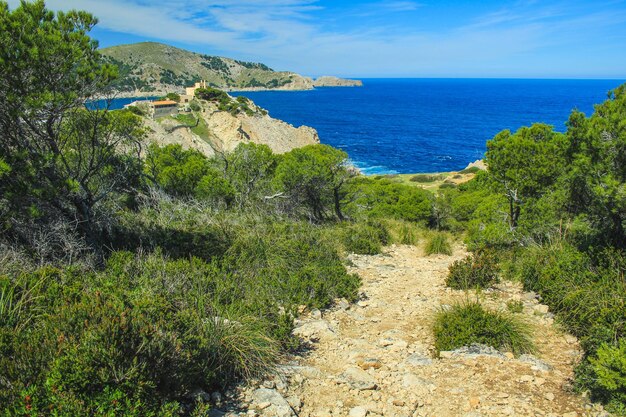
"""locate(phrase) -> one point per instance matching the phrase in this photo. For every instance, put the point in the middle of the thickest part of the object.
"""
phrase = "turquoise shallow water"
(429, 125)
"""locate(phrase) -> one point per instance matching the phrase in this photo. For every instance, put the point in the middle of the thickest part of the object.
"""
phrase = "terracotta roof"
(163, 102)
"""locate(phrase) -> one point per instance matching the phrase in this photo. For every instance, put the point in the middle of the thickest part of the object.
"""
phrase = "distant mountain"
(151, 68)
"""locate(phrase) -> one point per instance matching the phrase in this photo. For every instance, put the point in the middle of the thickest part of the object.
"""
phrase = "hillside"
(152, 68)
(213, 130)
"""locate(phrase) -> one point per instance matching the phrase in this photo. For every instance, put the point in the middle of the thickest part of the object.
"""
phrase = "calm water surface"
(429, 125)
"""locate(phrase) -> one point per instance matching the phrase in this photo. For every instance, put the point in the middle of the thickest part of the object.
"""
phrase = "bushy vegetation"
(383, 198)
(131, 277)
(366, 238)
(403, 232)
(147, 330)
(553, 206)
(225, 102)
(479, 270)
(470, 323)
(424, 178)
(135, 277)
(438, 244)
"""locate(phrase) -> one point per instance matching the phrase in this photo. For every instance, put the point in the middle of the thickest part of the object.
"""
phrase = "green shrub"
(366, 238)
(403, 232)
(136, 110)
(447, 185)
(465, 324)
(289, 264)
(438, 244)
(194, 106)
(138, 336)
(587, 292)
(383, 198)
(515, 306)
(424, 178)
(173, 96)
(474, 271)
(470, 170)
(212, 94)
(609, 375)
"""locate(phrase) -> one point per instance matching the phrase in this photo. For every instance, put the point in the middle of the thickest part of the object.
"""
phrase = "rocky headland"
(213, 131)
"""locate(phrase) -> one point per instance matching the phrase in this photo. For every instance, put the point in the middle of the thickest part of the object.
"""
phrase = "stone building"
(164, 108)
(190, 92)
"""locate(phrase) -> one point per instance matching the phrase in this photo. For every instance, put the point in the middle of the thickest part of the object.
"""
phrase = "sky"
(396, 38)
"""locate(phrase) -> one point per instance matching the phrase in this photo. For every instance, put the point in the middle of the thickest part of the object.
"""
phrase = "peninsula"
(150, 68)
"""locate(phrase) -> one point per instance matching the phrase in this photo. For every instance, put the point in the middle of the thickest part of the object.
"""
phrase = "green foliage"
(250, 169)
(127, 341)
(176, 170)
(589, 295)
(438, 243)
(524, 165)
(470, 170)
(314, 177)
(194, 106)
(179, 228)
(214, 187)
(515, 306)
(383, 198)
(148, 329)
(609, 375)
(67, 162)
(254, 65)
(587, 291)
(294, 262)
(136, 110)
(447, 185)
(469, 323)
(403, 232)
(595, 182)
(366, 238)
(196, 124)
(173, 96)
(215, 64)
(212, 94)
(187, 173)
(424, 178)
(479, 270)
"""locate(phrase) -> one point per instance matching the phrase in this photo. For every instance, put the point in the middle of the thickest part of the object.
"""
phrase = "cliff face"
(154, 69)
(218, 131)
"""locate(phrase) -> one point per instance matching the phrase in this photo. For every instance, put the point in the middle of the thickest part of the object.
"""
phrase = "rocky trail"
(377, 357)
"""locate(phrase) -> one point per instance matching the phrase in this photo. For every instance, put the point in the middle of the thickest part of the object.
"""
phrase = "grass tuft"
(474, 271)
(439, 244)
(468, 323)
(366, 238)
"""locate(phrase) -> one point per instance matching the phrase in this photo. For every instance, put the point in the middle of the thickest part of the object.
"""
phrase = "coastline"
(144, 94)
(312, 84)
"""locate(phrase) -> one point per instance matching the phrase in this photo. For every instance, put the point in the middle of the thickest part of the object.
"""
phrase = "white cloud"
(288, 34)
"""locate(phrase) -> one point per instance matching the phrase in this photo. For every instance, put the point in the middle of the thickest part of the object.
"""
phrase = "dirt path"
(376, 358)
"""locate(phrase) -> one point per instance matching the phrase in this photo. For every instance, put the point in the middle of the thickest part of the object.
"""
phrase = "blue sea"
(429, 125)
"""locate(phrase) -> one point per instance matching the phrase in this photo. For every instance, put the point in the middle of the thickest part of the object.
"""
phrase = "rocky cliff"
(213, 130)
